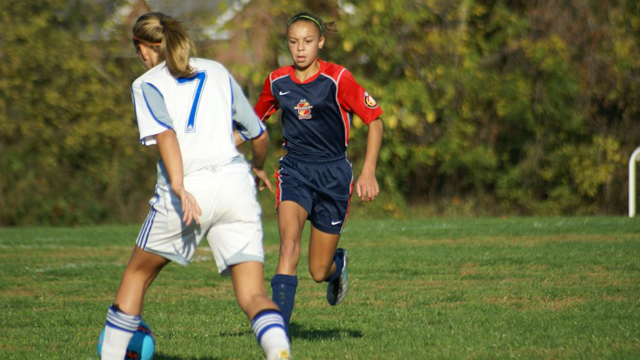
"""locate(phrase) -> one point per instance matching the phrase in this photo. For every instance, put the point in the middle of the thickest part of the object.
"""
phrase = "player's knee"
(247, 301)
(318, 274)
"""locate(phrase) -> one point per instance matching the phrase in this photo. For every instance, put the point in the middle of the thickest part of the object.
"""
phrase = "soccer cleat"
(280, 355)
(337, 289)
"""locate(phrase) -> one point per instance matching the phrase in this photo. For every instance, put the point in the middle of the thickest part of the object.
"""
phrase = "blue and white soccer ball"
(141, 347)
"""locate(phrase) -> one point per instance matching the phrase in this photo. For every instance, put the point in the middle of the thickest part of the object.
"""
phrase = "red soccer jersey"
(316, 114)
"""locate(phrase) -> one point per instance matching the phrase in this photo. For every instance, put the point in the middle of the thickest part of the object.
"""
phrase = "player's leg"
(329, 214)
(291, 220)
(327, 263)
(266, 319)
(142, 269)
(123, 317)
(235, 239)
(322, 248)
(162, 239)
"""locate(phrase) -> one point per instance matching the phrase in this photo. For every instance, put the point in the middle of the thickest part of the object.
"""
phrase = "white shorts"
(230, 219)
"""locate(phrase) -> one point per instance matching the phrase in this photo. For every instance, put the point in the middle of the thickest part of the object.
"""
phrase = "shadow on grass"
(169, 357)
(299, 332)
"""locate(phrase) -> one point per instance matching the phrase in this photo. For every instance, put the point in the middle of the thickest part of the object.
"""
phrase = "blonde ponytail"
(167, 36)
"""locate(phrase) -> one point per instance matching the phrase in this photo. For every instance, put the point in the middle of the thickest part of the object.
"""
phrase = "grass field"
(525, 288)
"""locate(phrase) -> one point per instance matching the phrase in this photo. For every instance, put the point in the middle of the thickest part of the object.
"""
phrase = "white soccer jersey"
(201, 110)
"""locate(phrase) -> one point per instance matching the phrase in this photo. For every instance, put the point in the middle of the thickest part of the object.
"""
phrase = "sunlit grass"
(526, 288)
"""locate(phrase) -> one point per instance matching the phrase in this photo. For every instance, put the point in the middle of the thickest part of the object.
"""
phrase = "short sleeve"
(355, 99)
(245, 119)
(267, 103)
(151, 112)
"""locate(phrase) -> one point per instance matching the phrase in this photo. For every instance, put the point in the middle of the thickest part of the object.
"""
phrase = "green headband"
(307, 17)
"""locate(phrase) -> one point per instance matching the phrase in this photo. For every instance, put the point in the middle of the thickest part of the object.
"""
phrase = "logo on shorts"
(369, 101)
(304, 109)
(336, 222)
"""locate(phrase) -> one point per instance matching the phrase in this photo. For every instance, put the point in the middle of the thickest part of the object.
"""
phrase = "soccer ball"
(141, 347)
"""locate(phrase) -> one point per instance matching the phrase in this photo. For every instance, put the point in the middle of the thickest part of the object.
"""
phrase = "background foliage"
(492, 107)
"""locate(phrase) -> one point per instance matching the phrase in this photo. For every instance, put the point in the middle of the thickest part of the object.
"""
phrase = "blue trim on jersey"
(144, 96)
(245, 138)
(262, 130)
(245, 120)
(155, 88)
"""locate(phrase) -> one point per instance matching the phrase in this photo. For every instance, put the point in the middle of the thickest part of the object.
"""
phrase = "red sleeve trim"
(267, 103)
(355, 99)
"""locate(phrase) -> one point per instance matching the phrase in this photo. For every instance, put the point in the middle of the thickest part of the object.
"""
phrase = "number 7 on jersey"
(200, 78)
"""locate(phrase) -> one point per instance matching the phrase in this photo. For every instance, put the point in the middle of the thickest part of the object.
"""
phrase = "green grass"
(525, 288)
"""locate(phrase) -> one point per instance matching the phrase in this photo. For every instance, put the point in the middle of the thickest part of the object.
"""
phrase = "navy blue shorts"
(322, 187)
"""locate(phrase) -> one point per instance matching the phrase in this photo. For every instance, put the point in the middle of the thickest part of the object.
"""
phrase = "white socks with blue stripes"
(268, 326)
(118, 332)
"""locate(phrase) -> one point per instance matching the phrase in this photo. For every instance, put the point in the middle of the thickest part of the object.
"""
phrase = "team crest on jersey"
(370, 101)
(304, 109)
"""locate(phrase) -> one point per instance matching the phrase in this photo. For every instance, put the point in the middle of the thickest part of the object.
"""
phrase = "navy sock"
(284, 295)
(338, 260)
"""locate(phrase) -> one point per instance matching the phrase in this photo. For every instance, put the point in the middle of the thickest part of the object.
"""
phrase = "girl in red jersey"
(315, 179)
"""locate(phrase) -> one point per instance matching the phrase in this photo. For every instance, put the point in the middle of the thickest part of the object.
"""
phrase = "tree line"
(492, 107)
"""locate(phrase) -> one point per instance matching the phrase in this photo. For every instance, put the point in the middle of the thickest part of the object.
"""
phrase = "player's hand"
(262, 180)
(367, 187)
(190, 208)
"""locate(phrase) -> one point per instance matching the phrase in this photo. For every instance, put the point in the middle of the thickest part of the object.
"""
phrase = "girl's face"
(304, 42)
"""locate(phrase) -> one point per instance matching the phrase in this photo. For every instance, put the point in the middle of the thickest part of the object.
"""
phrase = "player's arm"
(172, 158)
(267, 103)
(249, 127)
(259, 148)
(367, 186)
(239, 140)
(355, 99)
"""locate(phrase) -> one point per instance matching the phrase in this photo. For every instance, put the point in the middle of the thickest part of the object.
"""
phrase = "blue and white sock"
(118, 332)
(283, 289)
(268, 326)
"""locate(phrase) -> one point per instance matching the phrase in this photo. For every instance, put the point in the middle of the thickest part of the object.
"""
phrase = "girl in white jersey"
(188, 107)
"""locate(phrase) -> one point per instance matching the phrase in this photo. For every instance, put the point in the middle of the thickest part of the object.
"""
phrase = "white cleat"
(280, 355)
